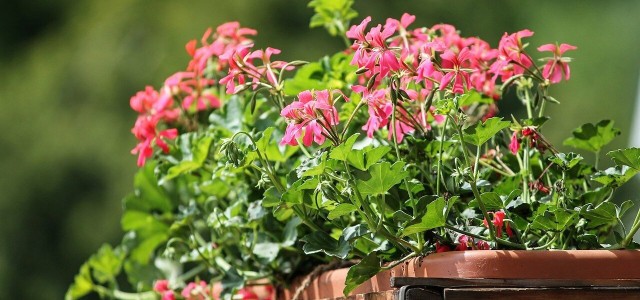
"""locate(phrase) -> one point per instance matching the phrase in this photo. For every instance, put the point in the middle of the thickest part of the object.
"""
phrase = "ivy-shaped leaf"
(490, 200)
(615, 176)
(361, 272)
(319, 241)
(381, 177)
(433, 218)
(473, 97)
(480, 133)
(628, 157)
(82, 284)
(566, 161)
(266, 251)
(341, 152)
(341, 210)
(604, 214)
(556, 221)
(592, 137)
(364, 158)
(148, 194)
(106, 264)
(353, 232)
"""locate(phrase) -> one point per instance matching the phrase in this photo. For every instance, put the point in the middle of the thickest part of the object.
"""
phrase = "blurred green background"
(69, 68)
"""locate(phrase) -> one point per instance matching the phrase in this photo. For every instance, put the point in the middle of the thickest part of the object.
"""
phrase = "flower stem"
(419, 237)
(438, 175)
(472, 182)
(629, 238)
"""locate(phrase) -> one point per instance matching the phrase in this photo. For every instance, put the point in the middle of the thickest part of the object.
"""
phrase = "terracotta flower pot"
(562, 266)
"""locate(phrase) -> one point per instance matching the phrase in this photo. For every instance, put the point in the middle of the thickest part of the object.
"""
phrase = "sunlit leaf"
(592, 137)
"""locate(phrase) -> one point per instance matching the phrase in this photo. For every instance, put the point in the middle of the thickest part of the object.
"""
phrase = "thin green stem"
(440, 151)
(475, 164)
(304, 149)
(549, 243)
(636, 226)
(419, 236)
(353, 114)
(525, 168)
(472, 182)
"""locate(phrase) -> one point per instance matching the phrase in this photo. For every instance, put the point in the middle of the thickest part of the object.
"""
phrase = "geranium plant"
(253, 170)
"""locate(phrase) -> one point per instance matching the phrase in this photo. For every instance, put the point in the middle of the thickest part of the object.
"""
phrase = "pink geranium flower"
(313, 114)
(514, 145)
(511, 47)
(146, 131)
(498, 223)
(192, 89)
(512, 59)
(558, 65)
(455, 75)
(371, 49)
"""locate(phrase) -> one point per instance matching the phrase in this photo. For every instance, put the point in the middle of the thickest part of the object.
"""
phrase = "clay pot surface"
(490, 264)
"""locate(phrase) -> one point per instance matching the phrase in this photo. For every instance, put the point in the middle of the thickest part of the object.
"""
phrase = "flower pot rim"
(489, 264)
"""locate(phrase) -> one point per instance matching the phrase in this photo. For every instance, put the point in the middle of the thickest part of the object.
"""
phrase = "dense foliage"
(254, 170)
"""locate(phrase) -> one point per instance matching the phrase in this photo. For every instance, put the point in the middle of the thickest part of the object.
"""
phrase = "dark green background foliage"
(69, 68)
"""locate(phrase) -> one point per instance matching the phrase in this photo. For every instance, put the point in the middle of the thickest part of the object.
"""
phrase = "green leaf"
(270, 148)
(615, 176)
(142, 276)
(597, 195)
(566, 161)
(363, 159)
(624, 207)
(309, 76)
(231, 281)
(557, 221)
(433, 218)
(149, 195)
(106, 264)
(361, 272)
(319, 241)
(593, 137)
(353, 232)
(480, 133)
(374, 154)
(381, 177)
(199, 153)
(628, 157)
(473, 97)
(82, 284)
(587, 242)
(290, 233)
(312, 166)
(334, 15)
(604, 214)
(341, 210)
(271, 197)
(266, 251)
(341, 152)
(256, 211)
(142, 253)
(490, 200)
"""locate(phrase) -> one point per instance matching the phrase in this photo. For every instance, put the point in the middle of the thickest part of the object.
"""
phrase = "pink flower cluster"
(194, 89)
(154, 108)
(438, 59)
(314, 114)
(200, 290)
